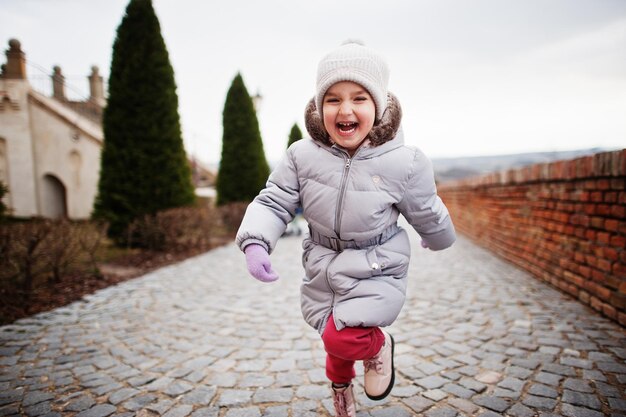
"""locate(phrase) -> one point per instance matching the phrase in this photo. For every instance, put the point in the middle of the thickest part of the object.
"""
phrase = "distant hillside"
(447, 169)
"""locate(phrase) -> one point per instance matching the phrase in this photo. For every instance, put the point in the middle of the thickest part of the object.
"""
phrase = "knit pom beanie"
(353, 61)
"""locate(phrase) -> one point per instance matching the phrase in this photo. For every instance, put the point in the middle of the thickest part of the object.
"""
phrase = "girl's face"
(349, 114)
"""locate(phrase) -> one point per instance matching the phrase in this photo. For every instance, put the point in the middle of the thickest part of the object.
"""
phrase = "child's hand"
(424, 245)
(259, 264)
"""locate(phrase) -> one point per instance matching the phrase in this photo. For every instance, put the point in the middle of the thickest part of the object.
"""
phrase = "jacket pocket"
(315, 259)
(394, 255)
(355, 263)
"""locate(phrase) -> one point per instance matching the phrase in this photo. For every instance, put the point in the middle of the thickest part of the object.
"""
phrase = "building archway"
(54, 198)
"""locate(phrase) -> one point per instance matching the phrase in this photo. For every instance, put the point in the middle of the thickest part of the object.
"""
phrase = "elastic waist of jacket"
(339, 245)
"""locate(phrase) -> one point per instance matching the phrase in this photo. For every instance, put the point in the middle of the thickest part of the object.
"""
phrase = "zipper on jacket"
(332, 290)
(342, 193)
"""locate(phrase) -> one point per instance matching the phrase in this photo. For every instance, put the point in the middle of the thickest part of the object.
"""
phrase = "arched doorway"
(54, 198)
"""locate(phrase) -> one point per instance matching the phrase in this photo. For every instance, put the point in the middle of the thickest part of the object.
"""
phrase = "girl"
(353, 177)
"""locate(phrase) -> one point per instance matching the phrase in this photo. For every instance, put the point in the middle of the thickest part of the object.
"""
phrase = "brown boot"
(343, 400)
(379, 371)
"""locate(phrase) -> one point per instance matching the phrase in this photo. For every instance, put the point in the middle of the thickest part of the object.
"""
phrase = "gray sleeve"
(269, 213)
(423, 208)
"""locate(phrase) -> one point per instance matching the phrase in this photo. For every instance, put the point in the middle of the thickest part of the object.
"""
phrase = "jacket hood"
(383, 131)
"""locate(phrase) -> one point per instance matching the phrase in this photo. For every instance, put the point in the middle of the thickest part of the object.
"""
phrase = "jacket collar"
(384, 131)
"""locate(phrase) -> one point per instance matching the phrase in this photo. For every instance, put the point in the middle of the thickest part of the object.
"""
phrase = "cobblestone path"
(477, 337)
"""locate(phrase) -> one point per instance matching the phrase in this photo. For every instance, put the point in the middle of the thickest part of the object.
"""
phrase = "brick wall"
(564, 222)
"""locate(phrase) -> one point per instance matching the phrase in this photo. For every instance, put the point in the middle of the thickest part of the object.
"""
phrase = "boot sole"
(393, 376)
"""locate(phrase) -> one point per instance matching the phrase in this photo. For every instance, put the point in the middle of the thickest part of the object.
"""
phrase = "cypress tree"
(144, 168)
(243, 168)
(294, 135)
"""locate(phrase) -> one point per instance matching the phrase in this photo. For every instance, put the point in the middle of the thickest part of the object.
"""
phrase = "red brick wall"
(564, 222)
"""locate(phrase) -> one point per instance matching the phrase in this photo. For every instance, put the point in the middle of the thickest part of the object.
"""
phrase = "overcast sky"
(475, 77)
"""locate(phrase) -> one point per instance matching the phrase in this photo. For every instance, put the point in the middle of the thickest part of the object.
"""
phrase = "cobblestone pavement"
(477, 337)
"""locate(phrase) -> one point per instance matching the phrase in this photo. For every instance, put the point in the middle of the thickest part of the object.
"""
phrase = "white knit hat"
(352, 61)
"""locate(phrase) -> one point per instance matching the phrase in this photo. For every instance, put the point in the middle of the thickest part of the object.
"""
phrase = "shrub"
(232, 215)
(60, 249)
(39, 251)
(24, 258)
(174, 230)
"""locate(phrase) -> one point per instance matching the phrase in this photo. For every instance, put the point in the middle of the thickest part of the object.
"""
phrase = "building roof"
(83, 125)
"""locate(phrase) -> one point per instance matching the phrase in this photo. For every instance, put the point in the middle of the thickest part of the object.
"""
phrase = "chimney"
(16, 61)
(96, 87)
(58, 84)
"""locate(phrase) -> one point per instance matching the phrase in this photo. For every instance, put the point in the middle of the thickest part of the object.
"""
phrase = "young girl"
(353, 177)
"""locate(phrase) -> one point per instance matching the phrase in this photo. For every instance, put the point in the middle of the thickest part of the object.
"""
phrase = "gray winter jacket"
(355, 257)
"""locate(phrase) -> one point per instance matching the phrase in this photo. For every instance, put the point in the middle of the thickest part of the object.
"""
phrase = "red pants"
(345, 347)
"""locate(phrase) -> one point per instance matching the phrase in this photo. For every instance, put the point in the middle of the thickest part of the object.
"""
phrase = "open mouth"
(347, 128)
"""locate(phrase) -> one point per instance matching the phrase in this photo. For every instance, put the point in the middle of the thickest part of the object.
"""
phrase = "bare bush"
(90, 236)
(232, 215)
(174, 230)
(25, 253)
(37, 251)
(60, 249)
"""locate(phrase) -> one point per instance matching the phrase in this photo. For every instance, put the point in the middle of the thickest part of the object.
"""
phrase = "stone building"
(49, 146)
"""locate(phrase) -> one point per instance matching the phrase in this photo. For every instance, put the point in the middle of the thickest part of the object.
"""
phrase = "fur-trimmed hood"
(383, 131)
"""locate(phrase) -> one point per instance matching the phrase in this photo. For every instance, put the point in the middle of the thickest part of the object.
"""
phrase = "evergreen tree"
(243, 167)
(144, 167)
(294, 135)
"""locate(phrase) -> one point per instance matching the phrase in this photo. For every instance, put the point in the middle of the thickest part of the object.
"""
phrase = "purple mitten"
(259, 264)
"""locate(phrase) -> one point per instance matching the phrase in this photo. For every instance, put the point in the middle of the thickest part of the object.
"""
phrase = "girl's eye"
(332, 100)
(360, 98)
